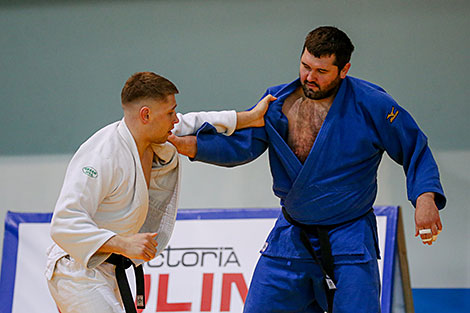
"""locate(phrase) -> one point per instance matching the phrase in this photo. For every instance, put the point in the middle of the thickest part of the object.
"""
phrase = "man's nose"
(311, 77)
(176, 119)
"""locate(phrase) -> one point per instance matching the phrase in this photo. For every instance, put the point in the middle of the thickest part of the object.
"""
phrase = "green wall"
(63, 63)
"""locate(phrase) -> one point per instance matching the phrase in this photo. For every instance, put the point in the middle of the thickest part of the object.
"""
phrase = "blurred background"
(63, 64)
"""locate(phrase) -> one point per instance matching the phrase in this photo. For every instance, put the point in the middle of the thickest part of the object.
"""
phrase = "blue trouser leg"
(292, 285)
(296, 285)
(358, 287)
(282, 285)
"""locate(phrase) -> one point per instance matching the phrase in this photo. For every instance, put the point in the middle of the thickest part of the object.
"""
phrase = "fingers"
(427, 220)
(143, 246)
(429, 231)
(147, 252)
(151, 245)
(186, 145)
(425, 234)
(173, 139)
(429, 234)
(268, 99)
(263, 104)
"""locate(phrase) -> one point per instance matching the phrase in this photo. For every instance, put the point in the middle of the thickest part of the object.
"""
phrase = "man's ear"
(345, 70)
(144, 114)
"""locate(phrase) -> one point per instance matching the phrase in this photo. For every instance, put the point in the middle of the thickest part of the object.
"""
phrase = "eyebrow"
(319, 68)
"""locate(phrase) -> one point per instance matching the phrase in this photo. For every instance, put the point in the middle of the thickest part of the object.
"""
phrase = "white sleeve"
(225, 122)
(87, 182)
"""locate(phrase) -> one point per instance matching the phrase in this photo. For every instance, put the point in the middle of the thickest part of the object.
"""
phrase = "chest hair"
(305, 118)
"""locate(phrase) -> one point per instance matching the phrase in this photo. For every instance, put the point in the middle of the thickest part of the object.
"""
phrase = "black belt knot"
(122, 263)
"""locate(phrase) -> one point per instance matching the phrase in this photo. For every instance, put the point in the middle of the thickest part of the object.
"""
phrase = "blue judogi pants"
(295, 285)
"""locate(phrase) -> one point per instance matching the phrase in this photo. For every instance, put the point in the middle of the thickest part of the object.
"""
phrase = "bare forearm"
(139, 246)
(115, 244)
(246, 119)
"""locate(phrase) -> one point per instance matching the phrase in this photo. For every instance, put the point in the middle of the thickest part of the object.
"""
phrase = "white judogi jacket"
(105, 193)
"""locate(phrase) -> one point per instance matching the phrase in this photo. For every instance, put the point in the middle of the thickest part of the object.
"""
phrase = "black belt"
(122, 263)
(326, 264)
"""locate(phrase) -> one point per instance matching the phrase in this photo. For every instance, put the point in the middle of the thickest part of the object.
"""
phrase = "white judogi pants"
(76, 289)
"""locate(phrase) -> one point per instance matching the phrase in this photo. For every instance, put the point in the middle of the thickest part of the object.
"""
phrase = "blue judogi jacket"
(338, 181)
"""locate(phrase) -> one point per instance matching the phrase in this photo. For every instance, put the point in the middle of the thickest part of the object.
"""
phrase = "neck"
(140, 141)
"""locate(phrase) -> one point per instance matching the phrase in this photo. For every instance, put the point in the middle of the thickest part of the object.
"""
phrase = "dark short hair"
(147, 85)
(329, 40)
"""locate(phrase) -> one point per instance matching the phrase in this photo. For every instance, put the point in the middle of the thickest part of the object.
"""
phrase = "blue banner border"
(391, 212)
(10, 252)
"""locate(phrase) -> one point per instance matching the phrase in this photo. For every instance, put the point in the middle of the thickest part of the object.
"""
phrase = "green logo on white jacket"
(90, 171)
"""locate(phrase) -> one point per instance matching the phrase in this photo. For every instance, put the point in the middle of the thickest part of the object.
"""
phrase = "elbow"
(54, 233)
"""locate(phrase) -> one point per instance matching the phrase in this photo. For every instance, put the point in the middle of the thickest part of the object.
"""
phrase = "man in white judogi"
(120, 193)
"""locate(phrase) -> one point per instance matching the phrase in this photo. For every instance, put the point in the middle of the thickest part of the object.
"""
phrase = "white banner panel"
(207, 266)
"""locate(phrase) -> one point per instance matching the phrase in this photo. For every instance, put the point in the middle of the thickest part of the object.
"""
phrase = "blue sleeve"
(406, 144)
(241, 147)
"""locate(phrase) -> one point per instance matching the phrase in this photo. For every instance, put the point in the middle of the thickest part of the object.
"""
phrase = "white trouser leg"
(76, 289)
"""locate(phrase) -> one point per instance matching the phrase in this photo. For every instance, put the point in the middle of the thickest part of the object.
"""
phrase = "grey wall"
(63, 64)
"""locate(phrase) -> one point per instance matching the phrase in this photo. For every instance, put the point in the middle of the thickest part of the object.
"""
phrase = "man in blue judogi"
(326, 135)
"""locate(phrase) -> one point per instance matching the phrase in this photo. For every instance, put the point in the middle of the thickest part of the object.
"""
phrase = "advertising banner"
(206, 267)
